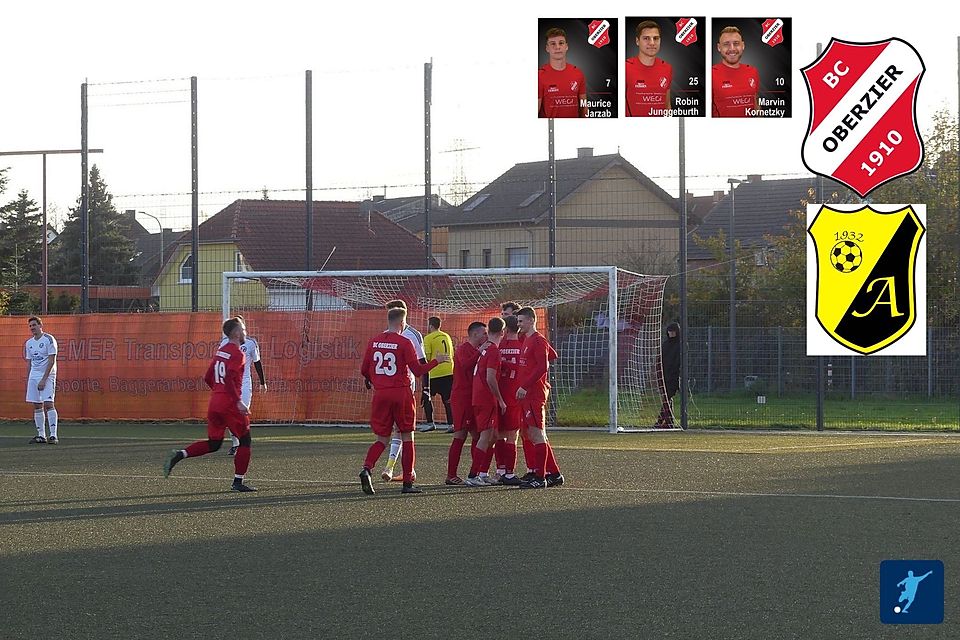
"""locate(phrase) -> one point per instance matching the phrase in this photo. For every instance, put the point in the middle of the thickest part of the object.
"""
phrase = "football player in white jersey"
(416, 338)
(251, 349)
(41, 352)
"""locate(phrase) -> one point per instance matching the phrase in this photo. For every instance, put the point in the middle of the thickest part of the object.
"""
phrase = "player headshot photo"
(577, 76)
(751, 70)
(665, 74)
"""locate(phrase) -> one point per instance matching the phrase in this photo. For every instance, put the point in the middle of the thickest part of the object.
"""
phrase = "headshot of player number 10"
(735, 84)
(648, 77)
(562, 88)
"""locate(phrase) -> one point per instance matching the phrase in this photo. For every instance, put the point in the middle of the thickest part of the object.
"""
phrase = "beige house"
(608, 213)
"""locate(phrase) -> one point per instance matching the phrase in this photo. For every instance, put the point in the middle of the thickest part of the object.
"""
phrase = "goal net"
(313, 327)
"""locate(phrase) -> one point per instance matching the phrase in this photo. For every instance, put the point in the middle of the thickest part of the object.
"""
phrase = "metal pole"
(779, 361)
(929, 362)
(821, 395)
(552, 246)
(309, 166)
(195, 200)
(427, 101)
(684, 354)
(43, 238)
(710, 359)
(84, 204)
(733, 287)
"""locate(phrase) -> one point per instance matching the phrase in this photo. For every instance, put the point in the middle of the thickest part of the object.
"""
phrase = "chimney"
(718, 196)
(754, 177)
(378, 198)
(584, 152)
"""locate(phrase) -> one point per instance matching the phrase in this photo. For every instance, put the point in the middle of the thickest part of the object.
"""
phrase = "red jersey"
(535, 356)
(734, 90)
(559, 91)
(647, 87)
(464, 362)
(224, 377)
(489, 359)
(389, 359)
(509, 369)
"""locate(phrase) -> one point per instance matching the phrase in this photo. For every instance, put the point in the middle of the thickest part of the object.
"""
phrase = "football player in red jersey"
(735, 84)
(561, 87)
(512, 418)
(226, 410)
(387, 363)
(461, 398)
(488, 404)
(532, 392)
(648, 77)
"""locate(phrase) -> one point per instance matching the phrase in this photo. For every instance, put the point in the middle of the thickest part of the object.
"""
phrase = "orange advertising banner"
(150, 366)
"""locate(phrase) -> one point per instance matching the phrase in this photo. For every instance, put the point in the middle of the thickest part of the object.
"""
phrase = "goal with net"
(312, 327)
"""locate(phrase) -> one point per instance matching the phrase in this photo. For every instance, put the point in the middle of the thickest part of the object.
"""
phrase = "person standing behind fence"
(41, 352)
(440, 379)
(669, 381)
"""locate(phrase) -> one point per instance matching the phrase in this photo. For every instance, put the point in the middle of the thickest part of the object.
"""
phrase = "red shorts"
(221, 419)
(487, 416)
(534, 414)
(463, 419)
(512, 419)
(392, 406)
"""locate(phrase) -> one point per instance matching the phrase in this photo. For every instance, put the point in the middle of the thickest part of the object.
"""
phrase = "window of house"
(518, 257)
(186, 270)
(465, 258)
(487, 258)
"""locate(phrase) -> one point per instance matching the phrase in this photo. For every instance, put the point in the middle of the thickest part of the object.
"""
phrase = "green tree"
(111, 250)
(21, 246)
(935, 184)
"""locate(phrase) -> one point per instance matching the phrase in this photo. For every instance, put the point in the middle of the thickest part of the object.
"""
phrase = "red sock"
(198, 448)
(529, 458)
(541, 451)
(491, 452)
(551, 461)
(510, 456)
(477, 457)
(500, 454)
(475, 438)
(373, 454)
(453, 456)
(241, 460)
(409, 456)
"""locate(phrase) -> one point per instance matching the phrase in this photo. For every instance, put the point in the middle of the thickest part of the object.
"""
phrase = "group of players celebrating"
(498, 396)
(499, 393)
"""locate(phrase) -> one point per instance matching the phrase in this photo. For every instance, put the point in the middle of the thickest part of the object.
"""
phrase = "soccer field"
(663, 535)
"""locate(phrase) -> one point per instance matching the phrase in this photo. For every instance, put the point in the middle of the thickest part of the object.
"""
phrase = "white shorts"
(46, 395)
(246, 395)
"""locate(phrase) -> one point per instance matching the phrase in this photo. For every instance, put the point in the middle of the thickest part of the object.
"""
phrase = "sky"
(367, 62)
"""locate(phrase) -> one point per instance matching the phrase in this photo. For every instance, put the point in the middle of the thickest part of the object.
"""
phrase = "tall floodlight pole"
(731, 244)
(84, 206)
(427, 178)
(195, 199)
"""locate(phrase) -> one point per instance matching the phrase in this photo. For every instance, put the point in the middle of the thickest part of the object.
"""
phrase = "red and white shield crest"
(863, 119)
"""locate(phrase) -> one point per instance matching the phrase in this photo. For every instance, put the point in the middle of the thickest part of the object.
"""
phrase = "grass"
(589, 408)
(679, 535)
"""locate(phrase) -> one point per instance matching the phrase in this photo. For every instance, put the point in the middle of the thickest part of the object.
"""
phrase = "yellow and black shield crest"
(866, 274)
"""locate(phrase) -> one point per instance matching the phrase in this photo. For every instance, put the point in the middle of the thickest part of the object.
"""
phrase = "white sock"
(184, 453)
(234, 441)
(52, 419)
(395, 445)
(38, 420)
(237, 476)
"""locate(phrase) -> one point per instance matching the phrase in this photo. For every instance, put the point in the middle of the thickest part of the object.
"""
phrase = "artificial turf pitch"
(671, 535)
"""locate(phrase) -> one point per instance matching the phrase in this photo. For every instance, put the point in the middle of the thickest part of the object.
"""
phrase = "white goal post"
(312, 326)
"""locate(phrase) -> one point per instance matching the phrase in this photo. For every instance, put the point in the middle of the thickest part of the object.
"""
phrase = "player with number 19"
(226, 410)
(387, 363)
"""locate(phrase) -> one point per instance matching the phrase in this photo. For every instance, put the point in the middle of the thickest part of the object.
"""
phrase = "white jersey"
(416, 338)
(251, 350)
(38, 352)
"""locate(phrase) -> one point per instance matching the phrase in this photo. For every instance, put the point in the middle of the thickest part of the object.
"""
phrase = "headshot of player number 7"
(561, 87)
(735, 84)
(648, 77)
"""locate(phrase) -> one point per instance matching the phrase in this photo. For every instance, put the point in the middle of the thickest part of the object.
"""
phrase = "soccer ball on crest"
(846, 256)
